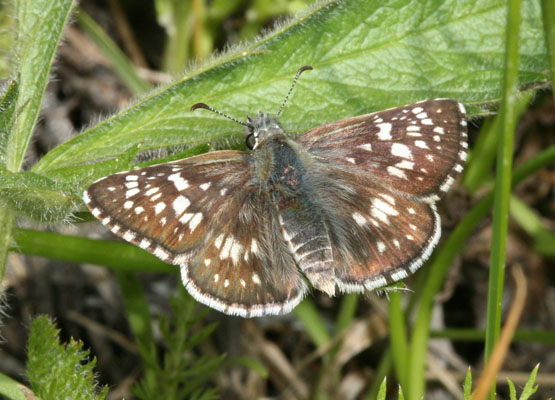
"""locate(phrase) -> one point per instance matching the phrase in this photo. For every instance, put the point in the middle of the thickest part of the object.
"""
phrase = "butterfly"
(349, 206)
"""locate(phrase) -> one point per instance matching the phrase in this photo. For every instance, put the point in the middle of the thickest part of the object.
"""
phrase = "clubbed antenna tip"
(207, 107)
(299, 72)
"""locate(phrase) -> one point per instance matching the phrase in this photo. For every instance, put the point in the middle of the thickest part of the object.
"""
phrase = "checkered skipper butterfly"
(349, 206)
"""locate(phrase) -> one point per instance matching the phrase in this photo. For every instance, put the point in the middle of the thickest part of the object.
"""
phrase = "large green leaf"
(367, 55)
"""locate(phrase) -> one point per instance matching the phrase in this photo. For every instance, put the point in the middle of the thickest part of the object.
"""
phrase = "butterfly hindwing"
(247, 269)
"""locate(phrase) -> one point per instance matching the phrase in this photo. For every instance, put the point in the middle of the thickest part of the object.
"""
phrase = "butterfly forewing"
(416, 150)
(172, 209)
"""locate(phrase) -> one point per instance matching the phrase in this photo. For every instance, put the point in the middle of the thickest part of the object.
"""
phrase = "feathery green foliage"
(179, 373)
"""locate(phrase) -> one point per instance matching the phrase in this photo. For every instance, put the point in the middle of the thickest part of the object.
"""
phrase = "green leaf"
(39, 28)
(11, 389)
(86, 174)
(35, 196)
(7, 116)
(530, 388)
(467, 387)
(512, 390)
(367, 56)
(58, 371)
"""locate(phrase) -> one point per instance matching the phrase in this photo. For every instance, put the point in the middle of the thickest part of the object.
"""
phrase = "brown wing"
(206, 214)
(419, 149)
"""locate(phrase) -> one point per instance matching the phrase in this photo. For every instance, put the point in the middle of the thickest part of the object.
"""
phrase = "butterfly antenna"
(299, 72)
(207, 107)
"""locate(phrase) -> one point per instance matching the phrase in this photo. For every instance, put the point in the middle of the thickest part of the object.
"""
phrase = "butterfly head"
(260, 128)
(263, 126)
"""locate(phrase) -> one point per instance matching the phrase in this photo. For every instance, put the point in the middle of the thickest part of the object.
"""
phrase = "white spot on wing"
(186, 217)
(447, 184)
(381, 247)
(366, 146)
(128, 204)
(131, 177)
(385, 131)
(218, 241)
(405, 165)
(416, 110)
(236, 251)
(180, 204)
(254, 246)
(401, 150)
(422, 144)
(205, 186)
(396, 172)
(195, 221)
(384, 207)
(179, 182)
(159, 207)
(129, 236)
(359, 219)
(131, 193)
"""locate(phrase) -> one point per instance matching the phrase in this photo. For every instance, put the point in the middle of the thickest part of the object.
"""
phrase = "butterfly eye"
(250, 141)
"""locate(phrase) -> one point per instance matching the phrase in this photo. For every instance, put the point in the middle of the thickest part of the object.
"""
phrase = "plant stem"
(503, 182)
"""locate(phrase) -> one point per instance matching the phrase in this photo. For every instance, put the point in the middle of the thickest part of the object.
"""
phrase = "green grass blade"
(398, 337)
(347, 311)
(307, 313)
(120, 62)
(503, 181)
(467, 386)
(383, 390)
(11, 389)
(39, 29)
(375, 55)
